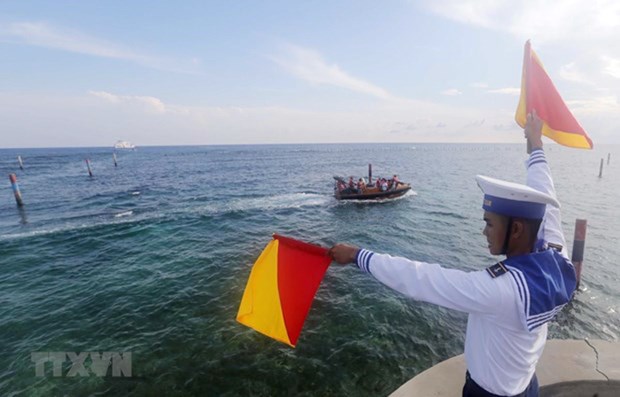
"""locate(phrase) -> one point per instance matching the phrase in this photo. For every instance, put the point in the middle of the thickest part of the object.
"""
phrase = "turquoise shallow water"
(152, 257)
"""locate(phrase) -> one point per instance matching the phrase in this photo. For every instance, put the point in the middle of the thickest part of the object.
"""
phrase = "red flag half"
(538, 92)
(281, 288)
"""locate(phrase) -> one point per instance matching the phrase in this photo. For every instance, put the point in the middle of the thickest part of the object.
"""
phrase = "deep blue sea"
(151, 257)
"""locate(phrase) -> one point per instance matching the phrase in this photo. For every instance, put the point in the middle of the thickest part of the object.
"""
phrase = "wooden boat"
(370, 192)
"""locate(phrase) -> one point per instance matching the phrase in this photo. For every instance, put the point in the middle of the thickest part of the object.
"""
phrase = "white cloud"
(612, 66)
(596, 106)
(572, 73)
(106, 95)
(451, 92)
(44, 35)
(148, 103)
(479, 85)
(506, 91)
(543, 20)
(310, 66)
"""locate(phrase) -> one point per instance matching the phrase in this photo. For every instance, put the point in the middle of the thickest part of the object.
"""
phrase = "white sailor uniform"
(509, 304)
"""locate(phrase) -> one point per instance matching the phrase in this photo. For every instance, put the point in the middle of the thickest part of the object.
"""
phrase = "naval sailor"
(510, 303)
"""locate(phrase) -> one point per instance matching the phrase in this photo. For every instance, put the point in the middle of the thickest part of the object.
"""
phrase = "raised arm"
(539, 178)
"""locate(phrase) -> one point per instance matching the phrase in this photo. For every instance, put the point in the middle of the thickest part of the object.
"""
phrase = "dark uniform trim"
(496, 270)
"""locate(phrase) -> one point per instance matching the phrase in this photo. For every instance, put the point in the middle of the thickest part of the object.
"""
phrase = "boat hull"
(374, 194)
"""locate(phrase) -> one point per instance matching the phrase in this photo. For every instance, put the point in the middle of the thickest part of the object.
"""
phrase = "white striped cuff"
(537, 156)
(362, 259)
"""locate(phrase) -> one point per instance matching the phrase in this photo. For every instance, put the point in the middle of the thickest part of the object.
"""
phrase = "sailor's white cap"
(513, 199)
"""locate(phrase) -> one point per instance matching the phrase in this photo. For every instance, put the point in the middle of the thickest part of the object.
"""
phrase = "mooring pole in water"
(90, 172)
(600, 171)
(16, 192)
(114, 157)
(579, 243)
(369, 174)
(608, 156)
(21, 163)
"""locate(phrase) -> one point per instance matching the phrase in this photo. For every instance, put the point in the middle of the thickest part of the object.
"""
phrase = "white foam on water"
(268, 203)
(118, 219)
(123, 214)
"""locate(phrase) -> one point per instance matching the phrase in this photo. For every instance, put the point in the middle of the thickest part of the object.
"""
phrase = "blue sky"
(245, 72)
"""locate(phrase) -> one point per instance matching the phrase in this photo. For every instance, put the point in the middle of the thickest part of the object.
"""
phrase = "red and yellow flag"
(281, 288)
(538, 92)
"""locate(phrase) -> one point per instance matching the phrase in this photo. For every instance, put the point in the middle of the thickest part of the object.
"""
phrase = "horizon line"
(283, 144)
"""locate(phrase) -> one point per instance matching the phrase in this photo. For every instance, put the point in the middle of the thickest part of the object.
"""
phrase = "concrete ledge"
(587, 388)
(608, 358)
(564, 362)
(443, 379)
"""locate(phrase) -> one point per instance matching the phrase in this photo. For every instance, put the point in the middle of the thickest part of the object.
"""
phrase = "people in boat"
(351, 183)
(361, 185)
(510, 303)
(340, 185)
(378, 183)
(395, 182)
(384, 185)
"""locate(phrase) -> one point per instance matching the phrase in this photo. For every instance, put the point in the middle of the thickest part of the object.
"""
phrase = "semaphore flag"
(281, 287)
(539, 93)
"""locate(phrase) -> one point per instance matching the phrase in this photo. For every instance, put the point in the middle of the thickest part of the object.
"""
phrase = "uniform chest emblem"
(496, 270)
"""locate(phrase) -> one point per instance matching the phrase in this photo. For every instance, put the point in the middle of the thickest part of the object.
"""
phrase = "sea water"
(152, 257)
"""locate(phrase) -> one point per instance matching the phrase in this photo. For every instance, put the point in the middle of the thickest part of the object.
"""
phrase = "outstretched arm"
(471, 292)
(539, 178)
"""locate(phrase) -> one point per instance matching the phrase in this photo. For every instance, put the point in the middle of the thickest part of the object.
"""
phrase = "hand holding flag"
(343, 253)
(533, 131)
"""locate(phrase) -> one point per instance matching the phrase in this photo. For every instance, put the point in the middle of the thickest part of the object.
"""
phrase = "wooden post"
(600, 172)
(90, 172)
(114, 157)
(21, 163)
(23, 218)
(16, 192)
(579, 243)
(608, 156)
(369, 174)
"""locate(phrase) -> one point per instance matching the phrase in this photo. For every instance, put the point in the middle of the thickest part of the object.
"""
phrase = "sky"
(89, 73)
